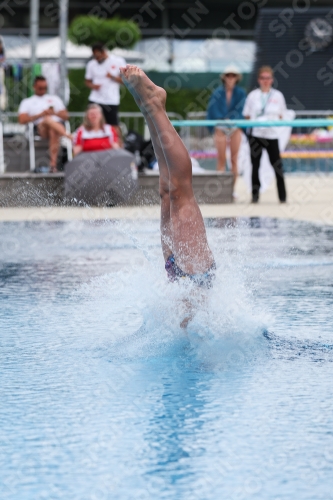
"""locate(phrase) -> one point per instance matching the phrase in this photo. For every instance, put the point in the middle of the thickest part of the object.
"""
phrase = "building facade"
(173, 18)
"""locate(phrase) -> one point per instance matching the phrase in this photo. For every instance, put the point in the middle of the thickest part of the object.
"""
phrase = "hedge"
(180, 101)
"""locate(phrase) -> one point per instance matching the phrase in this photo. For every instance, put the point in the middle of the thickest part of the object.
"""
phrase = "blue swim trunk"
(203, 280)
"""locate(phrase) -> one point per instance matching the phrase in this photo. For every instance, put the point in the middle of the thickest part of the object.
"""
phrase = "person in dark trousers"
(103, 79)
(227, 102)
(263, 104)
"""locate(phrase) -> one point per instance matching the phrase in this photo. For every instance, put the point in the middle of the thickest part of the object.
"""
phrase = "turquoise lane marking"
(301, 122)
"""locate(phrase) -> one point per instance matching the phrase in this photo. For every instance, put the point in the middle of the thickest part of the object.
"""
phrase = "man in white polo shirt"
(103, 78)
(48, 113)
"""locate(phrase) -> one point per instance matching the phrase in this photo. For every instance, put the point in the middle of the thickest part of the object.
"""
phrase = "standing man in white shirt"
(265, 104)
(48, 113)
(103, 78)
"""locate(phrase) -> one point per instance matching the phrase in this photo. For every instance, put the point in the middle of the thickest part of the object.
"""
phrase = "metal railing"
(9, 126)
(306, 151)
(128, 121)
(196, 134)
(309, 149)
(132, 120)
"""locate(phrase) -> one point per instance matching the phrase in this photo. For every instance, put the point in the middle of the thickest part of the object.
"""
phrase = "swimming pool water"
(290, 165)
(103, 396)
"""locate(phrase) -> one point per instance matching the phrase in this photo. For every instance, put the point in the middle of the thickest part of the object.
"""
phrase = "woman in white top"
(265, 103)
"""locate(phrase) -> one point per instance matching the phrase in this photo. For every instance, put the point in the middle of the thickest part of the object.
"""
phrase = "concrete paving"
(310, 198)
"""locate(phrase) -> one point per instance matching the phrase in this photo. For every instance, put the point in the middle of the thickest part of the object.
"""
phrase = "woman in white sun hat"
(226, 103)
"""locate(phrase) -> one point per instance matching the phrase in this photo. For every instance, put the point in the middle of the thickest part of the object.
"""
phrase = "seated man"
(47, 112)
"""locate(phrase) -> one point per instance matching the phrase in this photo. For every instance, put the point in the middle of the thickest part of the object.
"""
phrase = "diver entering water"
(183, 235)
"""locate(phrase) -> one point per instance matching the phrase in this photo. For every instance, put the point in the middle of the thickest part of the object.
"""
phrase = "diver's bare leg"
(164, 181)
(164, 189)
(187, 227)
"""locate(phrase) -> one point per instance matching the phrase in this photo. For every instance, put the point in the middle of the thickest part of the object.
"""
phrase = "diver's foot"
(148, 96)
(124, 72)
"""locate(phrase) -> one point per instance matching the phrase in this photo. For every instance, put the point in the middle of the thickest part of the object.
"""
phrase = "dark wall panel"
(300, 49)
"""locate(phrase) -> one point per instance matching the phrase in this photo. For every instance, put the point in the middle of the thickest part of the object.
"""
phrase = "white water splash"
(136, 312)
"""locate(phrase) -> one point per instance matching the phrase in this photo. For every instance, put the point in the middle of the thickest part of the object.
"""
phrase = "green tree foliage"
(115, 32)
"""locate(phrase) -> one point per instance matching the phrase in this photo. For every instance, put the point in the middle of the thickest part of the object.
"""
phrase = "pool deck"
(310, 198)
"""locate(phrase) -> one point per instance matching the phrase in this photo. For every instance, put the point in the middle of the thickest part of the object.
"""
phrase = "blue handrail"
(298, 122)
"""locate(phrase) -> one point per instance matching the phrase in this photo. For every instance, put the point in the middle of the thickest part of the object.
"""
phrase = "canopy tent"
(77, 55)
(209, 55)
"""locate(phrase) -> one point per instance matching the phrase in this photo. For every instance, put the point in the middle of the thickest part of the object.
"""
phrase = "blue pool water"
(290, 165)
(103, 396)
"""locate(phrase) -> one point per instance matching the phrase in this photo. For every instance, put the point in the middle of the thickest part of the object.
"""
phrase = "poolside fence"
(310, 147)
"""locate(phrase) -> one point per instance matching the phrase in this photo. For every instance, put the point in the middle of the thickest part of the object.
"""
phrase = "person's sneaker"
(255, 199)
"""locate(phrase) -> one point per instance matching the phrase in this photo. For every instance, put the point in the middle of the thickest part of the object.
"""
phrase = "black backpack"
(143, 150)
